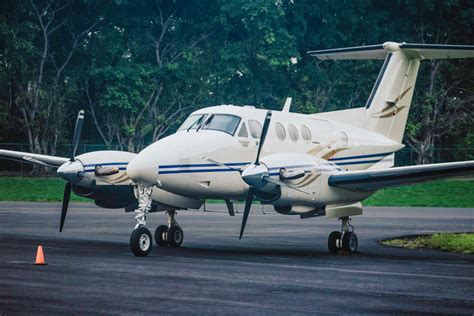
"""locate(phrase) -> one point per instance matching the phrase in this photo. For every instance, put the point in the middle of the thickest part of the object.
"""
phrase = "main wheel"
(333, 240)
(141, 242)
(160, 236)
(175, 236)
(349, 242)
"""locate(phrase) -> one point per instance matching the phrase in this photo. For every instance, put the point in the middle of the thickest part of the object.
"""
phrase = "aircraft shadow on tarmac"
(373, 251)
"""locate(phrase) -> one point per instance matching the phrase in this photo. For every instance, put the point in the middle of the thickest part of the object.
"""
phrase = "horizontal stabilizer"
(371, 180)
(415, 51)
(46, 160)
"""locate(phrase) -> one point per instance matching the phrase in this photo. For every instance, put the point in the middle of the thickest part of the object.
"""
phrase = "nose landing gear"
(141, 239)
(345, 240)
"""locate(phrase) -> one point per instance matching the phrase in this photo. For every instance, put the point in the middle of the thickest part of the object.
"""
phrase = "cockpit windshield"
(193, 122)
(219, 122)
(222, 122)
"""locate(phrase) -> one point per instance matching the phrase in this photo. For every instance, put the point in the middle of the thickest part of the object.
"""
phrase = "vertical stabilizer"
(389, 102)
(388, 105)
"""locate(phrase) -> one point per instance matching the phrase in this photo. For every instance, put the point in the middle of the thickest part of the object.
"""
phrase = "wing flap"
(52, 161)
(371, 180)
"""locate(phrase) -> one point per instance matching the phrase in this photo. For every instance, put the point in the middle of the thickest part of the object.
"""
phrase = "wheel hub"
(144, 242)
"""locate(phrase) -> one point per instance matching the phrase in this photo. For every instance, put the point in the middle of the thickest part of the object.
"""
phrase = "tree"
(445, 97)
(41, 50)
(139, 95)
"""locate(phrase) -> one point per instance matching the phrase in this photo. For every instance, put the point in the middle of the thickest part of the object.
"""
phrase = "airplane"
(321, 164)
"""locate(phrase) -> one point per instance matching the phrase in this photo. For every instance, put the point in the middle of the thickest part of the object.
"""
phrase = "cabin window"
(222, 122)
(305, 133)
(280, 131)
(193, 121)
(243, 131)
(293, 132)
(255, 128)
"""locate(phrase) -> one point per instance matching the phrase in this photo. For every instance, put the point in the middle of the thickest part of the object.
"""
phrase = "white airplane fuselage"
(176, 162)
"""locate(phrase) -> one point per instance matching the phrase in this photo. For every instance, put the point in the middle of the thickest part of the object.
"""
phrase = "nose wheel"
(141, 242)
(171, 235)
(344, 240)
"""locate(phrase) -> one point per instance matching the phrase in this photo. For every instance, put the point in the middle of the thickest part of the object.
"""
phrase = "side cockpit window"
(243, 131)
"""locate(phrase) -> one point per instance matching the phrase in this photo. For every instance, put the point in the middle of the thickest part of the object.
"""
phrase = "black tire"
(350, 242)
(141, 242)
(332, 241)
(160, 236)
(175, 236)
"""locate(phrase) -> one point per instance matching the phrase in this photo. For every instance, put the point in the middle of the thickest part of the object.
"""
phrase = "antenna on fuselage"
(286, 107)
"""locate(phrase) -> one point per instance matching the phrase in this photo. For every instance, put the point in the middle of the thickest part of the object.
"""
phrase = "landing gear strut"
(345, 240)
(171, 235)
(141, 240)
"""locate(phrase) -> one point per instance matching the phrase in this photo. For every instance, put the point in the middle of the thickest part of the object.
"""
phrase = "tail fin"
(386, 111)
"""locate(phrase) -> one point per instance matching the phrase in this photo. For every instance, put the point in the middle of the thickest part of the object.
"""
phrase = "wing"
(50, 161)
(371, 180)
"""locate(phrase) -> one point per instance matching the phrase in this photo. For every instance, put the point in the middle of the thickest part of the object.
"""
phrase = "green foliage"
(125, 88)
(159, 57)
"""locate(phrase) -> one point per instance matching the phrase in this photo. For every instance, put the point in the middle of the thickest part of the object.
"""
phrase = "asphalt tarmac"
(281, 266)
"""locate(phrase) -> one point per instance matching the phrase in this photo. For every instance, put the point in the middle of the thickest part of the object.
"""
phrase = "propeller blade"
(266, 124)
(248, 204)
(77, 133)
(221, 164)
(67, 195)
(277, 182)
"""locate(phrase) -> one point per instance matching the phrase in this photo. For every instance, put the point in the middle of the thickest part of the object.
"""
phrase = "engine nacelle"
(308, 191)
(108, 196)
(108, 184)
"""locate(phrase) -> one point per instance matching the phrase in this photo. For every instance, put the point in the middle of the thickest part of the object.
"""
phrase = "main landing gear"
(171, 235)
(345, 240)
(141, 240)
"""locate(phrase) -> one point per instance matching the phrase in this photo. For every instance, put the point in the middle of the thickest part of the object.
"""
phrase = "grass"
(452, 242)
(449, 193)
(34, 190)
(441, 193)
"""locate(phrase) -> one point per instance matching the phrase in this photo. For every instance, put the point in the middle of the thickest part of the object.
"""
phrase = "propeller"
(77, 134)
(250, 193)
(221, 164)
(66, 197)
(263, 135)
(68, 168)
(248, 204)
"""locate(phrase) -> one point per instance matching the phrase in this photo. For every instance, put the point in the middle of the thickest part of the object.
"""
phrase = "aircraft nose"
(141, 170)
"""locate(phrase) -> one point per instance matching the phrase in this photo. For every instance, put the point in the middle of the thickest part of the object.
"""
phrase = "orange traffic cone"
(40, 256)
